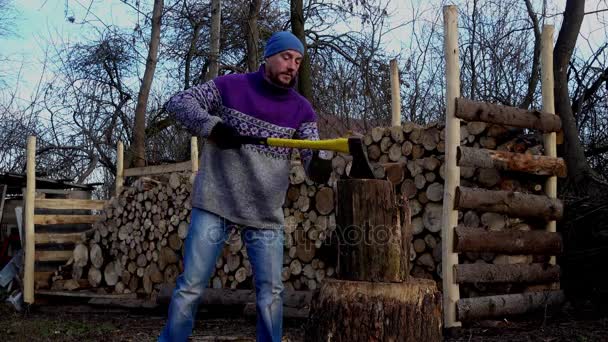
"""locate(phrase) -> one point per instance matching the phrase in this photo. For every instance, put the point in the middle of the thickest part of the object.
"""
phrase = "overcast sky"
(40, 23)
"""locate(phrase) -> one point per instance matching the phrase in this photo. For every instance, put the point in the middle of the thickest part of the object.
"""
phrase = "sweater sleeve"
(197, 108)
(309, 130)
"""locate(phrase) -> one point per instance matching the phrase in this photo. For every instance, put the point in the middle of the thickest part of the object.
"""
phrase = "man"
(243, 184)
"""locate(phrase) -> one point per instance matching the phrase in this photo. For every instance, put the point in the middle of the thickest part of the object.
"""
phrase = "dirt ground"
(85, 323)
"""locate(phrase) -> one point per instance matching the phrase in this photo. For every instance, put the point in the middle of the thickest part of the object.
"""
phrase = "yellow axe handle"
(337, 145)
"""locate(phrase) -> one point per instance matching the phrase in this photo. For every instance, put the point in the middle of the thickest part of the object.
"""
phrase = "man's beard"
(275, 78)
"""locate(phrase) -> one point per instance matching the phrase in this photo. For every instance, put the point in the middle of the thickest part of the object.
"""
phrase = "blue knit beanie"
(281, 41)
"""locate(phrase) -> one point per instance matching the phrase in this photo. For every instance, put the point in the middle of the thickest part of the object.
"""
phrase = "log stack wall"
(140, 237)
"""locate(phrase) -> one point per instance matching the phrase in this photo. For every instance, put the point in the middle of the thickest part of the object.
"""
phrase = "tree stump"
(364, 311)
(370, 232)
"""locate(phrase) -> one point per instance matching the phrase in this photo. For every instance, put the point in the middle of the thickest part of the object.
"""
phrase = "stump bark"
(354, 311)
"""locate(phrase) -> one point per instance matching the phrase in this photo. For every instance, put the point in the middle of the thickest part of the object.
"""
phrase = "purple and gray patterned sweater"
(246, 186)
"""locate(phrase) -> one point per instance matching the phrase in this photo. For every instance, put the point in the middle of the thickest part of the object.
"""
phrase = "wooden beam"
(516, 273)
(158, 169)
(509, 161)
(451, 291)
(46, 238)
(395, 94)
(65, 219)
(120, 177)
(30, 246)
(70, 204)
(507, 241)
(2, 198)
(194, 154)
(53, 255)
(509, 116)
(549, 139)
(85, 294)
(516, 204)
(470, 309)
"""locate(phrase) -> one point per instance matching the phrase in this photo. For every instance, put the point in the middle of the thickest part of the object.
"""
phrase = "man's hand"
(225, 136)
(319, 169)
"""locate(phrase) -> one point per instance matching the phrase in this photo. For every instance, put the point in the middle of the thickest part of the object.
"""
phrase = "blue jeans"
(204, 243)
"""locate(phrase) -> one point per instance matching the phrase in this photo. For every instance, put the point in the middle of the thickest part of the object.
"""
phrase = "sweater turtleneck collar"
(267, 84)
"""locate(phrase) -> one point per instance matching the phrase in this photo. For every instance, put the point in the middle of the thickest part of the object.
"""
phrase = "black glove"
(319, 169)
(225, 136)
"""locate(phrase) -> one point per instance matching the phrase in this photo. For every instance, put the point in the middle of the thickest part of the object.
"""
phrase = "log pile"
(139, 243)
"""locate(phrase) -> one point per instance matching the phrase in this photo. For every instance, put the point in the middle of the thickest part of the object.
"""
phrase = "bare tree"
(253, 35)
(139, 136)
(214, 53)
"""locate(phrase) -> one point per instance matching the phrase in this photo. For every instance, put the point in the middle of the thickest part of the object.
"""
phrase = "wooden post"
(119, 167)
(549, 107)
(451, 292)
(194, 154)
(395, 94)
(2, 201)
(28, 274)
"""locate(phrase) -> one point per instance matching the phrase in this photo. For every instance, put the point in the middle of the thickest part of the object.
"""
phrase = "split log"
(508, 161)
(471, 309)
(515, 204)
(507, 242)
(394, 172)
(384, 309)
(516, 273)
(94, 276)
(110, 275)
(324, 200)
(369, 231)
(96, 256)
(503, 115)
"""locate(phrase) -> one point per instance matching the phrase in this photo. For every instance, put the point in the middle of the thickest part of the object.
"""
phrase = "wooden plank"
(2, 201)
(395, 94)
(516, 273)
(510, 116)
(65, 219)
(30, 191)
(509, 161)
(86, 294)
(449, 216)
(515, 204)
(194, 154)
(471, 309)
(120, 176)
(158, 169)
(45, 238)
(70, 204)
(549, 139)
(53, 255)
(537, 242)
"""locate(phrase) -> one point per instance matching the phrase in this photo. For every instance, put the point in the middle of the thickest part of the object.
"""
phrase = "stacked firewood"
(138, 244)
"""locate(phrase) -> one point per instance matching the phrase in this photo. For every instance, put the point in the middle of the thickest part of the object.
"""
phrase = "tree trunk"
(536, 242)
(253, 35)
(516, 273)
(516, 204)
(578, 167)
(471, 309)
(508, 161)
(139, 130)
(368, 225)
(505, 115)
(364, 311)
(214, 52)
(297, 26)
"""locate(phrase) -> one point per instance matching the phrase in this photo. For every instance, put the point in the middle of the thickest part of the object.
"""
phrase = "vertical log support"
(451, 292)
(395, 94)
(120, 178)
(549, 107)
(30, 190)
(194, 154)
